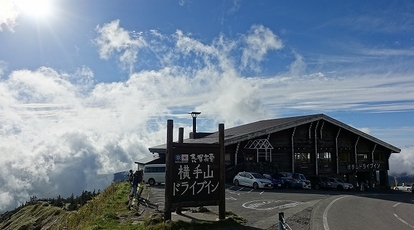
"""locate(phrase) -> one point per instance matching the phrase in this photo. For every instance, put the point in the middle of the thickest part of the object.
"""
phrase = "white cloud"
(113, 38)
(8, 15)
(259, 41)
(3, 67)
(402, 163)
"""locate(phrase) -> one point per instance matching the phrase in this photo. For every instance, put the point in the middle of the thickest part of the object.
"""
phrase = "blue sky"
(87, 86)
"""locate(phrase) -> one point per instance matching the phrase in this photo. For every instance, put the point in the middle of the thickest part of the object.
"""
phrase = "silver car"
(339, 184)
(252, 179)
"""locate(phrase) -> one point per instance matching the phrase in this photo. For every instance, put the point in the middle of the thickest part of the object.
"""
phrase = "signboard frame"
(191, 178)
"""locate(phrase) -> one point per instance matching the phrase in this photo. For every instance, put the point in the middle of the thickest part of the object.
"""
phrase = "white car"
(252, 179)
(403, 187)
(340, 184)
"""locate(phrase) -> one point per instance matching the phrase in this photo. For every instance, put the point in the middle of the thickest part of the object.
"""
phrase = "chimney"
(194, 115)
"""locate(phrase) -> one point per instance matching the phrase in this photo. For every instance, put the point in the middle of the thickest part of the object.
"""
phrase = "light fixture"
(194, 115)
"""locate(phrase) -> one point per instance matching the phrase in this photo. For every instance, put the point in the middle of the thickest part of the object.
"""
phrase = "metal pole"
(194, 127)
(281, 220)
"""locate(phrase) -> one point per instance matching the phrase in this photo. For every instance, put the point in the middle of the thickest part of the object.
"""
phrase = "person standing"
(131, 177)
(135, 182)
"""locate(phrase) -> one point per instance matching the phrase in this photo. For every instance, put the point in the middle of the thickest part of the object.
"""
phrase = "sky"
(86, 87)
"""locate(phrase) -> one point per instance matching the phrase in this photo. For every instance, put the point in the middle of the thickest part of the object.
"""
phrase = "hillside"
(108, 210)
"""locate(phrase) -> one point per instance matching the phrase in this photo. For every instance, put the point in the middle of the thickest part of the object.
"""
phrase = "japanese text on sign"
(195, 174)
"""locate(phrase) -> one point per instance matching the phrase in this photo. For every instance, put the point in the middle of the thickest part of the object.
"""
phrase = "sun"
(34, 8)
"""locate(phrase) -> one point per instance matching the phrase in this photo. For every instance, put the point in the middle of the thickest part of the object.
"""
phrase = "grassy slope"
(106, 211)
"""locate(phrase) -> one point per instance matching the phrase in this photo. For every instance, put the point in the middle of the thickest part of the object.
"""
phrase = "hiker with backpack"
(136, 180)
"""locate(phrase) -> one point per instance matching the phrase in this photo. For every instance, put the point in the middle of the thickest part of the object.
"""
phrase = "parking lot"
(259, 207)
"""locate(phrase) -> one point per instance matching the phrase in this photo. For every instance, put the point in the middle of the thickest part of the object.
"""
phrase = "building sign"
(363, 166)
(196, 173)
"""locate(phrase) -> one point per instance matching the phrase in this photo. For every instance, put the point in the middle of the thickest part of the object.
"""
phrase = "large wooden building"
(312, 145)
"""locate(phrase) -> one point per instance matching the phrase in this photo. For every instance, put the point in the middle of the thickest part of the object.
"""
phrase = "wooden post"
(180, 135)
(222, 187)
(178, 210)
(169, 159)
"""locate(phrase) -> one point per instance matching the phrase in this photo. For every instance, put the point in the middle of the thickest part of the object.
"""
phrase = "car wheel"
(317, 187)
(236, 182)
(396, 188)
(151, 181)
(255, 185)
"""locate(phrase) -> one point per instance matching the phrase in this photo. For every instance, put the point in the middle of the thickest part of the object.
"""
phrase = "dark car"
(320, 182)
(276, 179)
(295, 180)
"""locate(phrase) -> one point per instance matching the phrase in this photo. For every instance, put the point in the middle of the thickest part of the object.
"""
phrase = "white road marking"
(265, 205)
(400, 219)
(261, 192)
(409, 225)
(395, 205)
(325, 213)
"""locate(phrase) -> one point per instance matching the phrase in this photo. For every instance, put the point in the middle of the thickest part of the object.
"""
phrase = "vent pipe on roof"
(194, 115)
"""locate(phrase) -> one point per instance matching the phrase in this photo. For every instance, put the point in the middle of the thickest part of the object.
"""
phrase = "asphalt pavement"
(303, 209)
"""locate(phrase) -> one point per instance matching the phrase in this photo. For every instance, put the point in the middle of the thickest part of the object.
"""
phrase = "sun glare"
(35, 8)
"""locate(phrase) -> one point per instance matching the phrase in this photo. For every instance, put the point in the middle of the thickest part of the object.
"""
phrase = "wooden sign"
(194, 174)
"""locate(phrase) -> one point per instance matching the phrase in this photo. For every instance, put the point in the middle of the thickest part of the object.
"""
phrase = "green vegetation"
(108, 210)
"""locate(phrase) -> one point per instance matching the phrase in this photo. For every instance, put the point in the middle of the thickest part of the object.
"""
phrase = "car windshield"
(258, 176)
(339, 180)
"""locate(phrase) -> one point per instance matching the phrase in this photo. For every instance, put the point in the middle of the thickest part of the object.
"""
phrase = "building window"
(248, 157)
(227, 159)
(344, 157)
(324, 157)
(302, 158)
(362, 157)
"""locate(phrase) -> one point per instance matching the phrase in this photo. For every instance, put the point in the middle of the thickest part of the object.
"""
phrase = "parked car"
(252, 179)
(295, 180)
(412, 188)
(340, 184)
(320, 182)
(276, 179)
(403, 187)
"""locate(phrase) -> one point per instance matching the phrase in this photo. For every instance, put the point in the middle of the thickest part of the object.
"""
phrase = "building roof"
(265, 127)
(147, 160)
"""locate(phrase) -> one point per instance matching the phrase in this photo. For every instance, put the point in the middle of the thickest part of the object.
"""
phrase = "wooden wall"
(318, 137)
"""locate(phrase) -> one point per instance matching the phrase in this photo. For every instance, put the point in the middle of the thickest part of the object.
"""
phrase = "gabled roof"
(266, 127)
